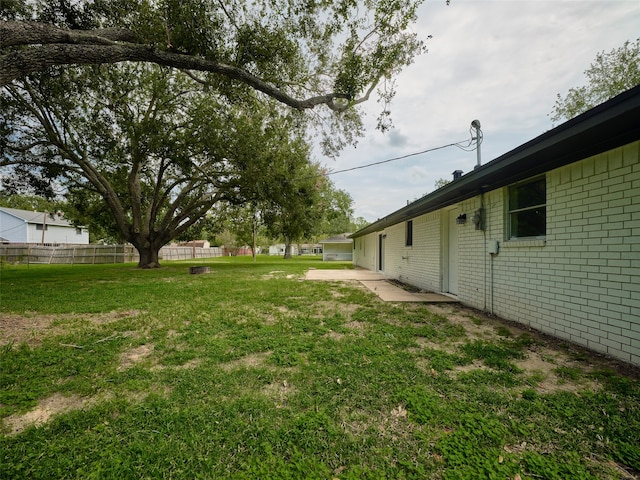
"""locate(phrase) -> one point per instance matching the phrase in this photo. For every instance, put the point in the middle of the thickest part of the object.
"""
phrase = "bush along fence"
(26, 253)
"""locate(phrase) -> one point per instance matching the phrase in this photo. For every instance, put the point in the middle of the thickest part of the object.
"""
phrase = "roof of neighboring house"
(37, 217)
(607, 126)
(342, 238)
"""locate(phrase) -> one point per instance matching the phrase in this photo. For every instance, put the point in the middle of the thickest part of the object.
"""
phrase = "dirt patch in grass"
(189, 365)
(477, 327)
(135, 355)
(544, 357)
(357, 326)
(47, 408)
(58, 403)
(334, 336)
(278, 392)
(253, 360)
(31, 329)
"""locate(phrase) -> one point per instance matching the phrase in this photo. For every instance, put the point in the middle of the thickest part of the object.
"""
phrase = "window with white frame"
(527, 209)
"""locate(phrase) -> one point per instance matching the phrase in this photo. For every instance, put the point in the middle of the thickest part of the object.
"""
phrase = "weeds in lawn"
(250, 372)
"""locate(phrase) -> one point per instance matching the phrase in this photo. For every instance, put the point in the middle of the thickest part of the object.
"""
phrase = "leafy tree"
(358, 223)
(146, 140)
(206, 228)
(303, 54)
(245, 222)
(320, 209)
(609, 75)
(337, 210)
(441, 182)
(290, 209)
(23, 181)
(28, 202)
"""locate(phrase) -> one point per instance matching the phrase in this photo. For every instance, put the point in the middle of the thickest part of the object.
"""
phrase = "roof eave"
(607, 126)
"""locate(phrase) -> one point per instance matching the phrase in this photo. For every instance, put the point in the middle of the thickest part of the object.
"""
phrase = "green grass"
(249, 372)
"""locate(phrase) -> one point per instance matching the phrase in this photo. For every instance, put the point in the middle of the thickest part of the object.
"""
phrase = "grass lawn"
(251, 372)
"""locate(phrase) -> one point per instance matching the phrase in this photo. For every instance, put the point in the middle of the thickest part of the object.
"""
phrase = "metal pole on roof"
(478, 138)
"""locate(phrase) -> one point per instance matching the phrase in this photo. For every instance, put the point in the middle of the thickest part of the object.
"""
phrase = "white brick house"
(23, 226)
(547, 235)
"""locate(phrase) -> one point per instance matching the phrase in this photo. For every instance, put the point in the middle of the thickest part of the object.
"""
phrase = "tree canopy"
(609, 75)
(145, 140)
(303, 54)
(162, 108)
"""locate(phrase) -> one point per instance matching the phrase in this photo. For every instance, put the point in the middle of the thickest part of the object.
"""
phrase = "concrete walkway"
(378, 284)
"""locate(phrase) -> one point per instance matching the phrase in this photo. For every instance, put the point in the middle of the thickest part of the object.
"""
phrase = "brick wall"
(581, 283)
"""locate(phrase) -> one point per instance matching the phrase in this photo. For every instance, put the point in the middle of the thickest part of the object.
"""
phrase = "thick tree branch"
(49, 46)
(17, 33)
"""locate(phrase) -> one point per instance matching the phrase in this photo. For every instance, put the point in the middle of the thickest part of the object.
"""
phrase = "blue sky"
(502, 62)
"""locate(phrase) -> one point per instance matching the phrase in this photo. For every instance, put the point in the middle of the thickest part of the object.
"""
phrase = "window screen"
(528, 209)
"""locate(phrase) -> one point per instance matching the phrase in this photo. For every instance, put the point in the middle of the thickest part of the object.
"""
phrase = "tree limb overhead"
(49, 46)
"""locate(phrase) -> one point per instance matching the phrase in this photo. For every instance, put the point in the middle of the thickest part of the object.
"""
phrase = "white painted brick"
(621, 354)
(583, 285)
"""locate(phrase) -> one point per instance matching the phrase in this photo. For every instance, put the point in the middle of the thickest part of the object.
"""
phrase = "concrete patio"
(378, 284)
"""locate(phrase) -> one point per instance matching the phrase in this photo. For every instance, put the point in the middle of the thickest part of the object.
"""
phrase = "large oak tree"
(161, 144)
(145, 140)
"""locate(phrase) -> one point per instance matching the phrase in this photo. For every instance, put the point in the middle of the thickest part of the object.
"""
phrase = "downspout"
(484, 251)
(492, 284)
(484, 255)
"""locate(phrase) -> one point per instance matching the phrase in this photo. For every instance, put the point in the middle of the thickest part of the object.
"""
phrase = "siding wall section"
(57, 234)
(337, 252)
(12, 229)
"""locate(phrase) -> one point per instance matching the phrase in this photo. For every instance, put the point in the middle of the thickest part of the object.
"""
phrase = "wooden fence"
(94, 254)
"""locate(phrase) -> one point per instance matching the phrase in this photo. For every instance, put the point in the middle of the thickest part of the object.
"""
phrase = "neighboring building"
(310, 249)
(547, 235)
(278, 249)
(23, 226)
(338, 247)
(196, 244)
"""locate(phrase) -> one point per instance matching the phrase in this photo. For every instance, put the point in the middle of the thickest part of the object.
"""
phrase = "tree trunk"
(254, 238)
(287, 249)
(148, 257)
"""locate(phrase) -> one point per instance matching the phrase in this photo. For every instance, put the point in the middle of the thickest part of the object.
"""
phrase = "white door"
(452, 247)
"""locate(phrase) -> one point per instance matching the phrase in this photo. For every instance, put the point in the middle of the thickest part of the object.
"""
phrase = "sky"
(502, 62)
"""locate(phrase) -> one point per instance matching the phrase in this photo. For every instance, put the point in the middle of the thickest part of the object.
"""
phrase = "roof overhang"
(607, 126)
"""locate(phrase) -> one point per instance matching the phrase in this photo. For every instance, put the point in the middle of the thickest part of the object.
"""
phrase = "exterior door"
(381, 252)
(452, 254)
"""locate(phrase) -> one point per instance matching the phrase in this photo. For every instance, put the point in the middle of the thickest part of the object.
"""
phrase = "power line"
(463, 145)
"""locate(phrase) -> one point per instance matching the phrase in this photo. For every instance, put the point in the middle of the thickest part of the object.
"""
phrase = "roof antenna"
(478, 138)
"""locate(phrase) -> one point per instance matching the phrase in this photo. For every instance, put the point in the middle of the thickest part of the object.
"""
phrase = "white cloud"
(502, 62)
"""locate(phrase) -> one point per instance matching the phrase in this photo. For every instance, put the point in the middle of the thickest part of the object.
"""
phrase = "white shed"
(338, 247)
(23, 226)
